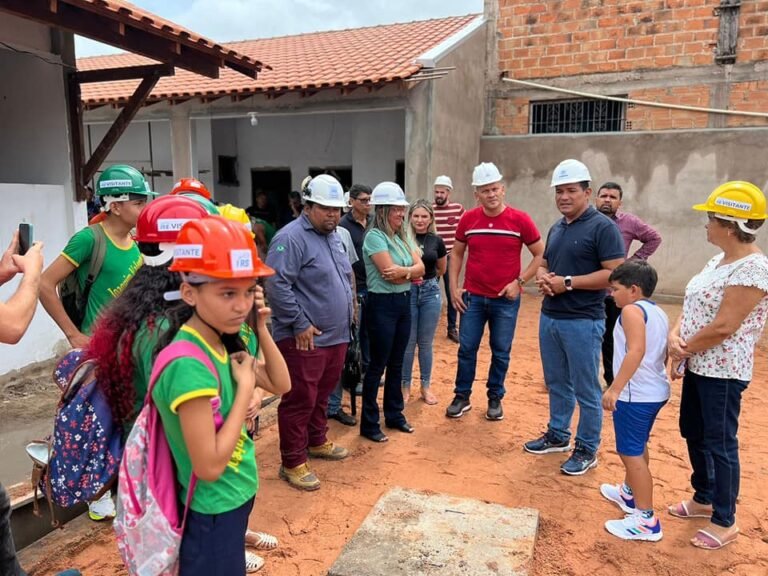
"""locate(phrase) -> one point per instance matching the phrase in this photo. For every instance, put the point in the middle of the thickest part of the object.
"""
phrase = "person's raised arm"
(17, 312)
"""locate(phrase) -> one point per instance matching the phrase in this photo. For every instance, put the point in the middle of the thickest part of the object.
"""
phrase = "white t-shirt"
(649, 383)
(734, 357)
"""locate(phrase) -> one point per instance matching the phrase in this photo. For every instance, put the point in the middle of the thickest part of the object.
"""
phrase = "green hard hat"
(209, 206)
(121, 179)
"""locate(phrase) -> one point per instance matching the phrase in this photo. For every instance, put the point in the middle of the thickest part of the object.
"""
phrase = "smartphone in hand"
(26, 237)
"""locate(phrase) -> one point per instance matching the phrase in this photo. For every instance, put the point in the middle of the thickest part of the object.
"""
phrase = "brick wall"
(562, 38)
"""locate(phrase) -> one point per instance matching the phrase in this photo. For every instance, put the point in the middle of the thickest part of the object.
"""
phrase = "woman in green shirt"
(391, 262)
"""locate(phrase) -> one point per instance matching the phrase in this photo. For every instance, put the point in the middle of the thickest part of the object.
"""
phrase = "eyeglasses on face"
(362, 200)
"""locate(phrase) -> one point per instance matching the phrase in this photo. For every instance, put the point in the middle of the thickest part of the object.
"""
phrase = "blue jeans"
(501, 316)
(570, 356)
(450, 310)
(709, 421)
(425, 314)
(334, 400)
(389, 325)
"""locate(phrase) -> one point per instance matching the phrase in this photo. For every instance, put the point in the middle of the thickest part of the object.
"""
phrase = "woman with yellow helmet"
(712, 348)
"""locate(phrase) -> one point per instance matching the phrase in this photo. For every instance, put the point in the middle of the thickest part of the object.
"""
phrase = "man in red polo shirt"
(493, 236)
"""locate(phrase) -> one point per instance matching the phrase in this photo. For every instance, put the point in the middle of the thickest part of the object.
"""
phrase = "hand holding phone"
(26, 237)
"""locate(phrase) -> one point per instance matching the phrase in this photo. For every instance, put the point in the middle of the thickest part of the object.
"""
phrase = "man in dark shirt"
(582, 249)
(356, 222)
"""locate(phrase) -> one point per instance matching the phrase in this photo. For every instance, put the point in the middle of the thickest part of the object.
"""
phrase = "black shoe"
(404, 427)
(453, 335)
(375, 437)
(344, 418)
(580, 461)
(546, 444)
(458, 407)
(495, 411)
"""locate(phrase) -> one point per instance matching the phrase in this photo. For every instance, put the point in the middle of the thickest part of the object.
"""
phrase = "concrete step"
(410, 533)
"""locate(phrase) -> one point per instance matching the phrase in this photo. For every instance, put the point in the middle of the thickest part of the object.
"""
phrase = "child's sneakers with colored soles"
(328, 451)
(300, 477)
(636, 527)
(618, 495)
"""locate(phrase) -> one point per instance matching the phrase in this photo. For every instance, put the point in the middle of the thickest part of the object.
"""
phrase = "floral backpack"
(147, 524)
(80, 460)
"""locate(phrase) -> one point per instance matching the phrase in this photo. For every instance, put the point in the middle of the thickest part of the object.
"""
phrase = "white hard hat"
(326, 191)
(486, 173)
(388, 194)
(569, 172)
(443, 181)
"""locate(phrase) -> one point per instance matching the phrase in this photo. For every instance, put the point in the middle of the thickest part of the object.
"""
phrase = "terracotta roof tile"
(344, 58)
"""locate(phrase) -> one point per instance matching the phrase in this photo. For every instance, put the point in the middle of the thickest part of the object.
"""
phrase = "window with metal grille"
(577, 116)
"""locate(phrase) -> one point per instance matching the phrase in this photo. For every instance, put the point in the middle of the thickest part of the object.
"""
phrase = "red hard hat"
(216, 247)
(191, 185)
(162, 219)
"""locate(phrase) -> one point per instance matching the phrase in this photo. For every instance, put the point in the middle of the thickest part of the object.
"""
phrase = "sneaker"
(344, 418)
(547, 444)
(458, 407)
(495, 411)
(328, 451)
(616, 494)
(453, 335)
(636, 527)
(103, 508)
(300, 477)
(580, 461)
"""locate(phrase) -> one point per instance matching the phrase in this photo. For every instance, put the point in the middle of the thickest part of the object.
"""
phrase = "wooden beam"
(75, 119)
(127, 73)
(134, 39)
(119, 126)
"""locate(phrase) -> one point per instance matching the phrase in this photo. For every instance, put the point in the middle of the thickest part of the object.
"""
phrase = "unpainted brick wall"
(557, 38)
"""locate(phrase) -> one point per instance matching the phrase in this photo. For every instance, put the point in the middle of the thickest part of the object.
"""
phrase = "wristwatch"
(408, 275)
(521, 281)
(568, 281)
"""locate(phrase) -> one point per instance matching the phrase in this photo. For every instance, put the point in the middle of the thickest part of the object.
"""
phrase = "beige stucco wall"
(662, 173)
(444, 122)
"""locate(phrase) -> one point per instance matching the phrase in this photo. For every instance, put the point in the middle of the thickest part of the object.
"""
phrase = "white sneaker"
(615, 494)
(102, 508)
(635, 527)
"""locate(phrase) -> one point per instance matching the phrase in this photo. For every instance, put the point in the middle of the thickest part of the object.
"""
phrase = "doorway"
(269, 194)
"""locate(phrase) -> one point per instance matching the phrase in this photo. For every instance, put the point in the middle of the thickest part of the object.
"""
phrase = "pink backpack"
(147, 524)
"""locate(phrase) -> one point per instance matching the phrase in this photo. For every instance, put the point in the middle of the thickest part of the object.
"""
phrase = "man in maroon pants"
(311, 297)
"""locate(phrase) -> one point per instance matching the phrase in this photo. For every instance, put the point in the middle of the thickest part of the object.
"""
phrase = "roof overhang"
(124, 26)
(432, 56)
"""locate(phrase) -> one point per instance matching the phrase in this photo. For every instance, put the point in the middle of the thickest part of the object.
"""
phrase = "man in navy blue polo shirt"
(582, 249)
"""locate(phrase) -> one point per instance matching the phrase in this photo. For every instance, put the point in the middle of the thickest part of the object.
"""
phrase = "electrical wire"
(636, 102)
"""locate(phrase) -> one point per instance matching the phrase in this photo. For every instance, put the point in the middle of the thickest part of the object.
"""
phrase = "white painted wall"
(133, 148)
(47, 208)
(370, 142)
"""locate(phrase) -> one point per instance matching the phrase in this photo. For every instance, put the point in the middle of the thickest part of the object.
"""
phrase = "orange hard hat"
(219, 248)
(192, 186)
(162, 219)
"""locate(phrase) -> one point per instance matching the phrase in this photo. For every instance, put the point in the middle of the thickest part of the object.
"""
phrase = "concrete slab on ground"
(412, 533)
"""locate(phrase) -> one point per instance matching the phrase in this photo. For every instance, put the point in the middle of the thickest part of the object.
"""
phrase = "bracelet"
(521, 281)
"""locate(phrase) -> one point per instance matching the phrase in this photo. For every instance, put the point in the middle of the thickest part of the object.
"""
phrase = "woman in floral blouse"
(713, 345)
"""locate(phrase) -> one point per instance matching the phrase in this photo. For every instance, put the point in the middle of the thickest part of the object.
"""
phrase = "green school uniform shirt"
(185, 379)
(143, 352)
(120, 264)
(377, 241)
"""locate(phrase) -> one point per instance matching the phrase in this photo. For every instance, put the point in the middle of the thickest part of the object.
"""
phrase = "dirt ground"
(476, 458)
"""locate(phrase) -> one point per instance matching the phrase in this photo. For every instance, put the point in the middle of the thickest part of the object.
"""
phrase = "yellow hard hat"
(736, 201)
(236, 214)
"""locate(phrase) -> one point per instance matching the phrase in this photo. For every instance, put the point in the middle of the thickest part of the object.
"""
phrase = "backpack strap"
(97, 260)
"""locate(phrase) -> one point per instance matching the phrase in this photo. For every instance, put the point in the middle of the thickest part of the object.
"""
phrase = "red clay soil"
(476, 458)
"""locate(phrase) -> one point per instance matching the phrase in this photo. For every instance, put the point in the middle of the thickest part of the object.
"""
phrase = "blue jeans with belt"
(501, 316)
(425, 314)
(709, 422)
(570, 355)
(389, 325)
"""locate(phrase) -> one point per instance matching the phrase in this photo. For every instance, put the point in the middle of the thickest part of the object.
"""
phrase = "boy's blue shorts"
(632, 422)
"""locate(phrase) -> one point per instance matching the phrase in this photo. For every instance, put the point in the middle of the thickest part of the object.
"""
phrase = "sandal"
(709, 541)
(680, 510)
(428, 398)
(260, 540)
(253, 563)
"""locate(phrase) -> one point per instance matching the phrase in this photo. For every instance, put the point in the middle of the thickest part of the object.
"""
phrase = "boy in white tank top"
(640, 389)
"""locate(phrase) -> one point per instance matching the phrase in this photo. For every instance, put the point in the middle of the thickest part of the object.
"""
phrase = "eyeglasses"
(362, 200)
